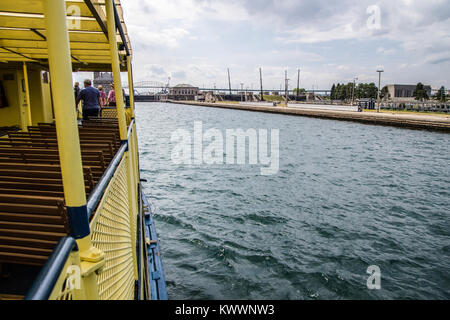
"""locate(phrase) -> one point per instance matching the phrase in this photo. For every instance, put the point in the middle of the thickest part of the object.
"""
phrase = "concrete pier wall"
(419, 121)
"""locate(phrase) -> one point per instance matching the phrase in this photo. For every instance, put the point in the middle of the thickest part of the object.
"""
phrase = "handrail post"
(130, 85)
(115, 64)
(68, 139)
(111, 23)
(27, 96)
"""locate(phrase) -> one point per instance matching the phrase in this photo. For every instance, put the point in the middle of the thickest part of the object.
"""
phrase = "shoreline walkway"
(412, 121)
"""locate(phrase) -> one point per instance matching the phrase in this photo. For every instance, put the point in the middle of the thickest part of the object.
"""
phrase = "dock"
(418, 121)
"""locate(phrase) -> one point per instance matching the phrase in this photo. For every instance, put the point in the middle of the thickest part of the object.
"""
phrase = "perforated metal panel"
(112, 233)
(109, 113)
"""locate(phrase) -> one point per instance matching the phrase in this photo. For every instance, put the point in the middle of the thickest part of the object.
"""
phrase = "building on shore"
(183, 92)
(104, 79)
(399, 92)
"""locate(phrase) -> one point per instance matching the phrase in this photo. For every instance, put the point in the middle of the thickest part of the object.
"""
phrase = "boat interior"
(37, 241)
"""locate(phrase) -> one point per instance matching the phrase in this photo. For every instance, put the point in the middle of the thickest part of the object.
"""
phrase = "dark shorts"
(90, 113)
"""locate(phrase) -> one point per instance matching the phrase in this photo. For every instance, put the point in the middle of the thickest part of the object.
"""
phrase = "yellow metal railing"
(109, 113)
(112, 231)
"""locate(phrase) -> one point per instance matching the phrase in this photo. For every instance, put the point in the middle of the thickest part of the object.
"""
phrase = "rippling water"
(347, 196)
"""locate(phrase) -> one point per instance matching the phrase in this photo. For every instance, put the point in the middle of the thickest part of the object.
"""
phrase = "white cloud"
(411, 30)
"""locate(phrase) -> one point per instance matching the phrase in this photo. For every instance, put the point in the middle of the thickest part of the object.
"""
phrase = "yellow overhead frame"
(23, 36)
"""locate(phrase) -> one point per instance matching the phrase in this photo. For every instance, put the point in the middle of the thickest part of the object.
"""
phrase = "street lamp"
(379, 89)
(354, 88)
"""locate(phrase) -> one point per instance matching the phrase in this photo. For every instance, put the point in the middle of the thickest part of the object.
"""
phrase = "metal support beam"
(68, 138)
(122, 34)
(27, 95)
(130, 84)
(111, 23)
(133, 212)
(98, 14)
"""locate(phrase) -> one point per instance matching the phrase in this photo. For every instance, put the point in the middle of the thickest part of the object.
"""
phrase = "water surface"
(347, 196)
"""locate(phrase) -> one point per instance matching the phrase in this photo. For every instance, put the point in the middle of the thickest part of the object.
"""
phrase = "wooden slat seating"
(99, 137)
(100, 134)
(32, 211)
(43, 179)
(91, 158)
(30, 227)
(49, 143)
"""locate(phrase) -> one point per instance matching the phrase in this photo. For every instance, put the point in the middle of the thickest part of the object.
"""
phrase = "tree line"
(370, 91)
(348, 91)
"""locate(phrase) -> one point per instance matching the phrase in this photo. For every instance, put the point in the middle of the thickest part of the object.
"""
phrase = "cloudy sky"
(195, 41)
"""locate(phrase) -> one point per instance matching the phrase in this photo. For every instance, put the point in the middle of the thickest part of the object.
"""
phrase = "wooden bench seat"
(89, 157)
(33, 215)
(106, 147)
(98, 137)
(30, 227)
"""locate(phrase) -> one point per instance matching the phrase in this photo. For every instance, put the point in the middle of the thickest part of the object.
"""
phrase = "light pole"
(286, 87)
(229, 81)
(354, 88)
(379, 89)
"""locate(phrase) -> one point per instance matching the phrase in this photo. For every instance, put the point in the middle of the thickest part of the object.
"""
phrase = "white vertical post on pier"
(353, 91)
(379, 89)
(286, 88)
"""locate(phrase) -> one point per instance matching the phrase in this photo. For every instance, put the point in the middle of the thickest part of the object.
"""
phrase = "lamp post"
(286, 88)
(354, 88)
(379, 89)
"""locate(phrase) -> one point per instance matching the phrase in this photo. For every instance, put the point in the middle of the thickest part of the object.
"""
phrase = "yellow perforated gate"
(109, 113)
(112, 233)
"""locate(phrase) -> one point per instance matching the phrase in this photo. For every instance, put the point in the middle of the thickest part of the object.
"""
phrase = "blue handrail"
(97, 194)
(49, 274)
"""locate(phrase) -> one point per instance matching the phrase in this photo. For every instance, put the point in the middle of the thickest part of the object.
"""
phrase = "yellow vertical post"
(132, 200)
(112, 35)
(68, 140)
(132, 142)
(130, 85)
(27, 95)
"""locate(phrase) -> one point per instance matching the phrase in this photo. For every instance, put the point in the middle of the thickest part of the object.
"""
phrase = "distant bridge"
(165, 87)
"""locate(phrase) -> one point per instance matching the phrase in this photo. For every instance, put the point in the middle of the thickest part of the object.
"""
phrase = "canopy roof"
(23, 33)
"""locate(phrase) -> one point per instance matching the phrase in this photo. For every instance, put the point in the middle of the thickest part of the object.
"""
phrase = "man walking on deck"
(91, 100)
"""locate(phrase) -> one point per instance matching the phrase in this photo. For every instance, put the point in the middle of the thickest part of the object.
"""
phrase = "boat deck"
(32, 210)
